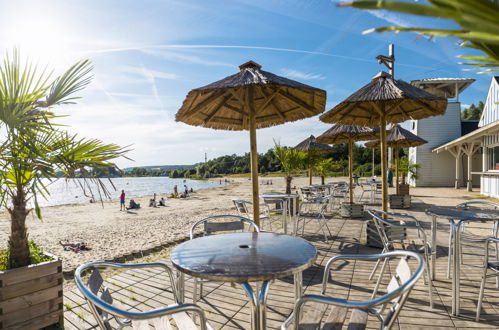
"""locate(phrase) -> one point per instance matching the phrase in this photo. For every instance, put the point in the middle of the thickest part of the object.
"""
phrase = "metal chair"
(393, 301)
(487, 265)
(467, 236)
(101, 305)
(313, 210)
(245, 209)
(216, 224)
(385, 222)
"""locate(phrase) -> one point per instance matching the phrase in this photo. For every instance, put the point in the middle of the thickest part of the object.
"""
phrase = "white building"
(439, 169)
(481, 143)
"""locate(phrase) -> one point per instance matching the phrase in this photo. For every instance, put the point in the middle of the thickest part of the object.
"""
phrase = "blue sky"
(148, 54)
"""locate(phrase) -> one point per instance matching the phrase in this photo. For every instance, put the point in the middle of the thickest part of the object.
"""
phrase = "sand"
(112, 233)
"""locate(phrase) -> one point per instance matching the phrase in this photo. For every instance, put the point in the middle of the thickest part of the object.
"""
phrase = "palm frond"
(478, 20)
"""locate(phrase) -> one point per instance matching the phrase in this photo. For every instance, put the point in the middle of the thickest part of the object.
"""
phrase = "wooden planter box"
(400, 201)
(31, 297)
(353, 210)
(403, 189)
(393, 233)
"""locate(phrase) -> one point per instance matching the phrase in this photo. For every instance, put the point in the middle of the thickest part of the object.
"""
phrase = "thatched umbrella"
(348, 134)
(311, 146)
(382, 101)
(247, 100)
(398, 137)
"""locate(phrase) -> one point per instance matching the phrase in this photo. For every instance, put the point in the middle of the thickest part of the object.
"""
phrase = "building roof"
(474, 136)
(443, 87)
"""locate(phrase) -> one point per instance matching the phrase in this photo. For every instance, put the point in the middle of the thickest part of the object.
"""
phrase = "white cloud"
(147, 73)
(295, 74)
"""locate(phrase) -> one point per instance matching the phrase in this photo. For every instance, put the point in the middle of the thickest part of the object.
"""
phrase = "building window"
(493, 156)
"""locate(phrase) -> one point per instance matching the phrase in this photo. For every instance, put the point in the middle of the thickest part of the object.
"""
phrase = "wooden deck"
(227, 307)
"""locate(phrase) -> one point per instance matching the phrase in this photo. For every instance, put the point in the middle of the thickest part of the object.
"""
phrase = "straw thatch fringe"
(347, 133)
(397, 100)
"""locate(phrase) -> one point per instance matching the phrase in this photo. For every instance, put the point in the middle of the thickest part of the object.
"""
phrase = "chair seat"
(314, 313)
(182, 321)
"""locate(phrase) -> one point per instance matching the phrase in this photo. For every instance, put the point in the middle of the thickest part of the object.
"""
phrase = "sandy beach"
(112, 233)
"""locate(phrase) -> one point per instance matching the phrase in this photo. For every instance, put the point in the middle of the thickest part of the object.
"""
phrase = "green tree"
(34, 148)
(291, 161)
(477, 19)
(474, 112)
(325, 167)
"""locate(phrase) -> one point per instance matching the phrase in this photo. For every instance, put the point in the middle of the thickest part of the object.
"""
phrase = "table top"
(244, 257)
(279, 195)
(464, 214)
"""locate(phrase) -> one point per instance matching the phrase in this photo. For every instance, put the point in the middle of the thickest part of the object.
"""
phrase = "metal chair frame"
(102, 308)
(307, 213)
(396, 297)
(236, 225)
(470, 238)
(381, 221)
(493, 266)
(242, 209)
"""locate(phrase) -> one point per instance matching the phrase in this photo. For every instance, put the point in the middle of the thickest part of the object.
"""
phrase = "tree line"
(268, 162)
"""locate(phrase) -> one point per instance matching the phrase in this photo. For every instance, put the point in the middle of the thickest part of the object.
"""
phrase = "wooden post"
(384, 189)
(396, 151)
(458, 168)
(350, 167)
(310, 175)
(253, 153)
(469, 185)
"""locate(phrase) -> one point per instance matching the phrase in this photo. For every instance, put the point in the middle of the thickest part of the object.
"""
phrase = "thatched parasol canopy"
(247, 100)
(310, 146)
(396, 100)
(348, 134)
(397, 138)
(276, 100)
(385, 100)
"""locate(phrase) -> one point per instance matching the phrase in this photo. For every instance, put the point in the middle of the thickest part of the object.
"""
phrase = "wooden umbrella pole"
(253, 155)
(396, 150)
(384, 188)
(350, 167)
(310, 175)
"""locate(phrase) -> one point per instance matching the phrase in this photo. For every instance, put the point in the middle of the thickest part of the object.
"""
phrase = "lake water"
(69, 191)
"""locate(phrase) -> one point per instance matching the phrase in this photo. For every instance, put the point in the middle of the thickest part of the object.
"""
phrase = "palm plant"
(479, 26)
(324, 167)
(407, 168)
(291, 161)
(34, 149)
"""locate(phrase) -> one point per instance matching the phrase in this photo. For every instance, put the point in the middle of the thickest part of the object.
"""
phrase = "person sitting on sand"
(191, 190)
(133, 205)
(162, 202)
(152, 203)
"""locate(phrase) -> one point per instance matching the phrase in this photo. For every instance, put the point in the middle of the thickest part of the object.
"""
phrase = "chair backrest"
(398, 289)
(241, 206)
(223, 223)
(386, 222)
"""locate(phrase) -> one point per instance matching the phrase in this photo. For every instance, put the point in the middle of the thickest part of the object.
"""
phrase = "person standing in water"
(122, 201)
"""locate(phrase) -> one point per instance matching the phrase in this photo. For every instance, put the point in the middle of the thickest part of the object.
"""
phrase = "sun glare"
(39, 35)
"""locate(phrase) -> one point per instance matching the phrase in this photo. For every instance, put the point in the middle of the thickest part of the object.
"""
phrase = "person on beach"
(122, 201)
(162, 202)
(186, 190)
(175, 191)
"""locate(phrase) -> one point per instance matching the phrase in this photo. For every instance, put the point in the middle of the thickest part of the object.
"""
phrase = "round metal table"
(456, 216)
(243, 258)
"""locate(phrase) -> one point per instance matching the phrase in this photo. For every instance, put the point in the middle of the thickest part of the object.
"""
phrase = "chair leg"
(449, 255)
(194, 290)
(428, 279)
(380, 278)
(200, 289)
(480, 295)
